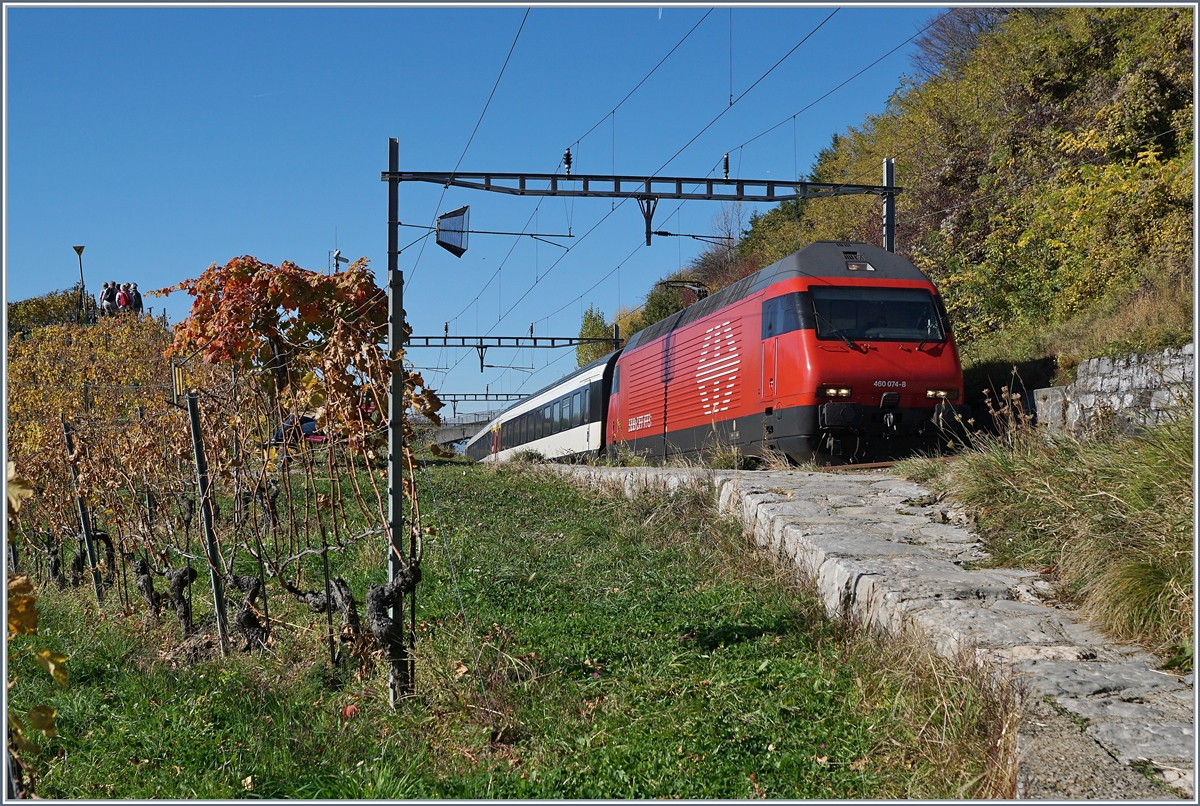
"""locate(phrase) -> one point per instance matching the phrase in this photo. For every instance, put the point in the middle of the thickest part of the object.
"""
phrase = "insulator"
(567, 160)
(727, 165)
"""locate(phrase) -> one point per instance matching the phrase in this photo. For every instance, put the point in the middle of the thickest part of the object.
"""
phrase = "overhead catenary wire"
(470, 139)
(758, 81)
(664, 165)
(576, 142)
(811, 104)
(745, 92)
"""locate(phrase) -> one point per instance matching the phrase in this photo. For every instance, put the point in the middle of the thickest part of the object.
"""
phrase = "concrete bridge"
(456, 429)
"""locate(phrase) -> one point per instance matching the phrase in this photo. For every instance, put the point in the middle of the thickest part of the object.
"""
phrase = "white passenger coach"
(560, 421)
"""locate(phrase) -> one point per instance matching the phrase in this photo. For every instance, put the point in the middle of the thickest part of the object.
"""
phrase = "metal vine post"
(85, 517)
(400, 661)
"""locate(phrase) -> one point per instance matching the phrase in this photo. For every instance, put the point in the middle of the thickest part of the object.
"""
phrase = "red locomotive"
(841, 349)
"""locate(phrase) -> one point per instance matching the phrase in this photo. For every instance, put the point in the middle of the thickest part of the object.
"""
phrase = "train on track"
(840, 352)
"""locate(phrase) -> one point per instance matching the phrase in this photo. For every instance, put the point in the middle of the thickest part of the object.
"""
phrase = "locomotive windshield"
(876, 314)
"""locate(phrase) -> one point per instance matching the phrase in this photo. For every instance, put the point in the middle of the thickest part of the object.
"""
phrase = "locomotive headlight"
(833, 391)
(942, 394)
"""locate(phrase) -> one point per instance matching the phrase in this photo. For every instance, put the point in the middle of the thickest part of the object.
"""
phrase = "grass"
(570, 644)
(1110, 516)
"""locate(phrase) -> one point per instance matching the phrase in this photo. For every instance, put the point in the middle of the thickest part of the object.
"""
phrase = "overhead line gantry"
(647, 190)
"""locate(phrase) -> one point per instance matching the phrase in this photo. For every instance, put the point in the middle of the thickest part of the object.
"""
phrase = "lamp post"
(79, 254)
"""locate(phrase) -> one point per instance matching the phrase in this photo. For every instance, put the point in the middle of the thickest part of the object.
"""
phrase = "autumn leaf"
(22, 606)
(460, 669)
(16, 730)
(41, 718)
(53, 662)
(18, 489)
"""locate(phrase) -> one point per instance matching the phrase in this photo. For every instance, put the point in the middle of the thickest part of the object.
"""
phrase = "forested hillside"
(1045, 157)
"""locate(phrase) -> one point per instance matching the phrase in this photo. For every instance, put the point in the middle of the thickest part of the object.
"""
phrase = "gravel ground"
(1058, 762)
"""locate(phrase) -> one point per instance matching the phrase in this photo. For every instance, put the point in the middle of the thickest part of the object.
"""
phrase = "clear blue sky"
(166, 139)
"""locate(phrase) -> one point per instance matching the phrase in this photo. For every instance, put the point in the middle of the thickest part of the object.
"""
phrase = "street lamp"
(79, 253)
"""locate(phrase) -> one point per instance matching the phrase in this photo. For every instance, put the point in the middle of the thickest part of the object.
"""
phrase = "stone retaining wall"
(1135, 390)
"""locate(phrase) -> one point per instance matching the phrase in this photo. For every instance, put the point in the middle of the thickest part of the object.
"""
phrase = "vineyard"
(194, 475)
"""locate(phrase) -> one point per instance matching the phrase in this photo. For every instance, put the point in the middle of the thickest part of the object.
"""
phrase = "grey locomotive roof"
(823, 259)
(830, 258)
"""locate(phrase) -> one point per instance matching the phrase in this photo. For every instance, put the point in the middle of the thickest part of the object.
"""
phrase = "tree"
(946, 45)
(592, 327)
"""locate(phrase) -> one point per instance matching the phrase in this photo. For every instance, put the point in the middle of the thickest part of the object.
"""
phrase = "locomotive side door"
(770, 369)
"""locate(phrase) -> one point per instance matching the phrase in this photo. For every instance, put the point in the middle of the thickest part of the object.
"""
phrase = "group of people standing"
(123, 298)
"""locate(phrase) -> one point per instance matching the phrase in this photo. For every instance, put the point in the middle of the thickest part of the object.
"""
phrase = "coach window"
(555, 413)
(576, 409)
(595, 404)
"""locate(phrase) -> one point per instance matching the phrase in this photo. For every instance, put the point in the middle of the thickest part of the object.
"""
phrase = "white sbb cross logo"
(716, 374)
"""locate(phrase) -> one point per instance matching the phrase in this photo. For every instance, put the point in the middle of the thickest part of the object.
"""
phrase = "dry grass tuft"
(1112, 513)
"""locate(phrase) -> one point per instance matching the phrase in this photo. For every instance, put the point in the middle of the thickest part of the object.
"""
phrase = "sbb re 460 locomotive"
(840, 352)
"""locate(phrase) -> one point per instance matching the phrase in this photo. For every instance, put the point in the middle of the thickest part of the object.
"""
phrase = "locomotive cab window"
(876, 314)
(786, 313)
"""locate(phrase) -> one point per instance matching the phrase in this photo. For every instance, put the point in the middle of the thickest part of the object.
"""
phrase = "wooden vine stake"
(215, 570)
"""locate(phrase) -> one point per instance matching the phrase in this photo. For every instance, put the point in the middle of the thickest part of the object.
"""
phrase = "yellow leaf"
(22, 606)
(53, 662)
(19, 585)
(460, 669)
(18, 489)
(17, 733)
(42, 718)
(22, 615)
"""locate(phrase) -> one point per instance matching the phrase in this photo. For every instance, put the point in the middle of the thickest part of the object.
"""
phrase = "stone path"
(1100, 720)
